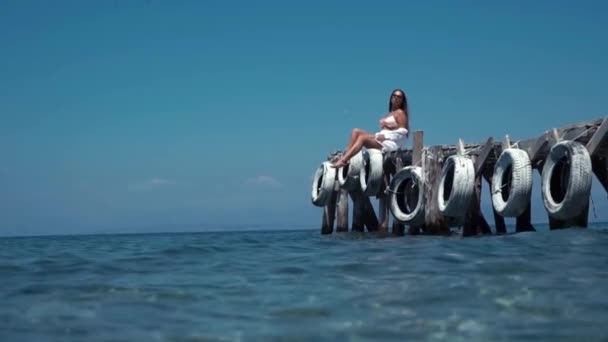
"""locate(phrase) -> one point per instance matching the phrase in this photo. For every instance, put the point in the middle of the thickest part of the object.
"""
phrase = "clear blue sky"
(121, 115)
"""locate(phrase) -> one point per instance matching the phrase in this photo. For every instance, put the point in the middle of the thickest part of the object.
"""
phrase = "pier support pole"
(357, 197)
(383, 198)
(418, 144)
(499, 221)
(398, 227)
(434, 221)
(474, 222)
(369, 216)
(342, 211)
(329, 213)
(363, 212)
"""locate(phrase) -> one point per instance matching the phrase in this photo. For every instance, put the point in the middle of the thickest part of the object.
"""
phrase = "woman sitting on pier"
(394, 131)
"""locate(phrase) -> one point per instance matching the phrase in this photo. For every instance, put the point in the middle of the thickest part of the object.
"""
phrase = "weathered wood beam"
(434, 221)
(499, 221)
(418, 145)
(483, 155)
(534, 149)
(598, 137)
(469, 224)
(369, 215)
(329, 213)
(417, 148)
(383, 199)
(398, 227)
(342, 211)
(358, 224)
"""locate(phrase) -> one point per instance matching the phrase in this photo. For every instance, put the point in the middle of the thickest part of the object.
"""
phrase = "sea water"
(285, 285)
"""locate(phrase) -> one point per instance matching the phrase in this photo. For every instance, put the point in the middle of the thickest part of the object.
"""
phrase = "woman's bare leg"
(356, 132)
(367, 140)
(353, 137)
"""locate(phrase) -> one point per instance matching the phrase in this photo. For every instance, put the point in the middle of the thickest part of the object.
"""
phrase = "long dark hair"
(404, 107)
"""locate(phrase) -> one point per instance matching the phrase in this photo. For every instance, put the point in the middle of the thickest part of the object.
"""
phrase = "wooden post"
(329, 213)
(480, 162)
(358, 210)
(599, 162)
(417, 147)
(499, 221)
(398, 228)
(474, 222)
(434, 221)
(535, 148)
(383, 215)
(369, 216)
(469, 227)
(342, 211)
(598, 137)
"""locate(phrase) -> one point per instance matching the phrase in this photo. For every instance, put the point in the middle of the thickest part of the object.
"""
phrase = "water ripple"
(301, 286)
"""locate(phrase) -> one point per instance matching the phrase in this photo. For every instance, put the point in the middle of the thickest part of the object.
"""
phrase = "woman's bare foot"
(340, 163)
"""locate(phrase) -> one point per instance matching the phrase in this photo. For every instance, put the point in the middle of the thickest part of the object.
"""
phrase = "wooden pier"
(430, 190)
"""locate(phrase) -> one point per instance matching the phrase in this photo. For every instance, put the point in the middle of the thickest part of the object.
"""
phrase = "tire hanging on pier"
(566, 180)
(348, 176)
(456, 186)
(371, 174)
(512, 183)
(323, 184)
(407, 195)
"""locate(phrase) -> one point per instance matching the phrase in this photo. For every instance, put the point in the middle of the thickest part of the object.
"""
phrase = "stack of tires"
(364, 172)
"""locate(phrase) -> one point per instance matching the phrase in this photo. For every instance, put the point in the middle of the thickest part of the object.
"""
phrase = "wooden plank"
(342, 211)
(534, 149)
(398, 227)
(329, 213)
(483, 155)
(598, 137)
(435, 222)
(417, 148)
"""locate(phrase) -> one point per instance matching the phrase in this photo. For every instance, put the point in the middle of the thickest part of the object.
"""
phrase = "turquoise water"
(301, 286)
